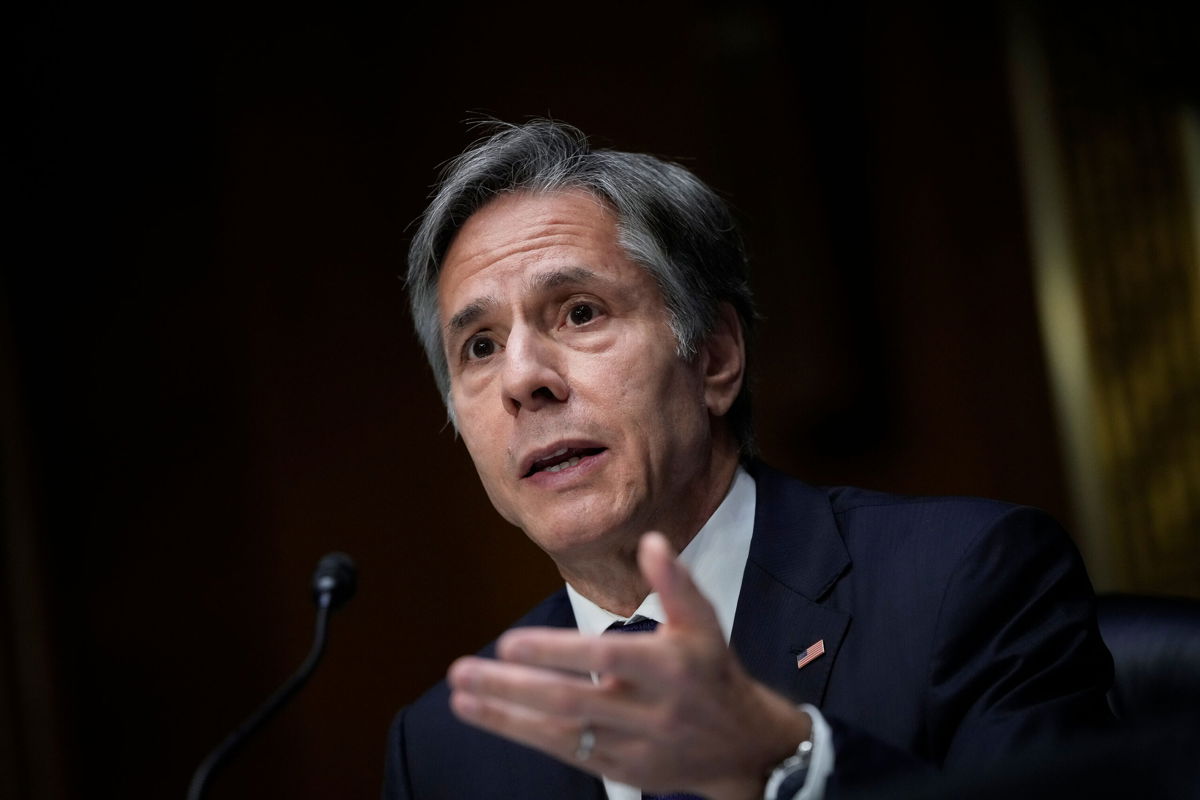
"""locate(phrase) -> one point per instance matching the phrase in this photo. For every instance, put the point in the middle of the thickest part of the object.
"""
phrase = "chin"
(568, 537)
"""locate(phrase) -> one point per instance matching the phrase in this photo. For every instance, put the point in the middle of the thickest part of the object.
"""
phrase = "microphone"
(333, 583)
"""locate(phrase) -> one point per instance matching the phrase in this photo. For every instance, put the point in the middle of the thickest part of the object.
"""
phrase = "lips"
(558, 458)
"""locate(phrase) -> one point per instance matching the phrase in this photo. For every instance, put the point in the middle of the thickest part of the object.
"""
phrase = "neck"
(614, 584)
(611, 578)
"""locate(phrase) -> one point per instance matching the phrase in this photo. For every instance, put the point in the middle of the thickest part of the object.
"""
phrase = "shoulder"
(554, 611)
(850, 500)
(950, 526)
(871, 519)
(429, 747)
(892, 539)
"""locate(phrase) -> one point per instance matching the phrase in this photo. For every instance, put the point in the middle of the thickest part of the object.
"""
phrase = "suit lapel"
(796, 556)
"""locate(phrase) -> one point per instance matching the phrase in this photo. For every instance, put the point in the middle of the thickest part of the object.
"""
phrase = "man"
(586, 313)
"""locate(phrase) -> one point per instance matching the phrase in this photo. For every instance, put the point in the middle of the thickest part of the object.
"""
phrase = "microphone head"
(335, 580)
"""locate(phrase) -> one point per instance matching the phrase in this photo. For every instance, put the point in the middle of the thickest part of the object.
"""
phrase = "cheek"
(664, 403)
(482, 444)
(490, 465)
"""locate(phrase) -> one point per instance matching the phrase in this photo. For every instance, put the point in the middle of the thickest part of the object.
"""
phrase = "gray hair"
(668, 222)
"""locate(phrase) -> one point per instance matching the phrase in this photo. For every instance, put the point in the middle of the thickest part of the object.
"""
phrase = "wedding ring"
(587, 740)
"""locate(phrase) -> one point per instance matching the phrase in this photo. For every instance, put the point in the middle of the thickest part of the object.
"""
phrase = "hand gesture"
(671, 711)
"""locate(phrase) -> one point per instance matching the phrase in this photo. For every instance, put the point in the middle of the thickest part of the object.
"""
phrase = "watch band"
(788, 778)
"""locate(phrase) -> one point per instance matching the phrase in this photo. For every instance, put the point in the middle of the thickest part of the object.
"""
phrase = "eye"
(480, 347)
(581, 314)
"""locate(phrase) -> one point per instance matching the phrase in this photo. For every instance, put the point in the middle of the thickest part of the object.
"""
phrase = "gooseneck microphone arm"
(333, 584)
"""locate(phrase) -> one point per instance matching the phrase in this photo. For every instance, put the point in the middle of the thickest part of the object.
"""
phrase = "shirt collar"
(716, 557)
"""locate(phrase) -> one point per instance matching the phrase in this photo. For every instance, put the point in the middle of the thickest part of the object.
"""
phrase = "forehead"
(516, 236)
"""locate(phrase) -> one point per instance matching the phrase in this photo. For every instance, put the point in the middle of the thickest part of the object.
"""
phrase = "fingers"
(559, 737)
(544, 692)
(626, 657)
(685, 606)
(565, 716)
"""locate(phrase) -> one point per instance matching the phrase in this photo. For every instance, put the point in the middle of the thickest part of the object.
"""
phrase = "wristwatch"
(788, 778)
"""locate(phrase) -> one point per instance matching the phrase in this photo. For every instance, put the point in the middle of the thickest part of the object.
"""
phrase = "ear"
(723, 359)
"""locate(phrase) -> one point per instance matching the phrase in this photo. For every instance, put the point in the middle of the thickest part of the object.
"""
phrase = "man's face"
(586, 428)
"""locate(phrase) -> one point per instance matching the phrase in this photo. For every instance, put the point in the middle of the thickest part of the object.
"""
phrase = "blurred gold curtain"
(1108, 132)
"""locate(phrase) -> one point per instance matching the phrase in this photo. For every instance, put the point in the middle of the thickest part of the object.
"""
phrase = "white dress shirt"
(716, 558)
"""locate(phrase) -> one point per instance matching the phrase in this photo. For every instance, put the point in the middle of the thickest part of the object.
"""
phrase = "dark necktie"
(646, 625)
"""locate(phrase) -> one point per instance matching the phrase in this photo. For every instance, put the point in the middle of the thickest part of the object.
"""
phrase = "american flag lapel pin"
(814, 651)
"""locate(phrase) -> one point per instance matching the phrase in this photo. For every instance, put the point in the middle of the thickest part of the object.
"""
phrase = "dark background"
(210, 378)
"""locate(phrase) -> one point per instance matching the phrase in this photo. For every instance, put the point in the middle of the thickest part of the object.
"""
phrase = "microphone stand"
(326, 596)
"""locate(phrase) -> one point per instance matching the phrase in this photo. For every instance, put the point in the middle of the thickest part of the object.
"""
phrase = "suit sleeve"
(1016, 660)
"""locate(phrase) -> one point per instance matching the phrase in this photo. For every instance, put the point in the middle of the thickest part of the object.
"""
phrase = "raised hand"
(671, 710)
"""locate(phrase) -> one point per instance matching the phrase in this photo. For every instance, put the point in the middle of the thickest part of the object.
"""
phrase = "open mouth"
(562, 459)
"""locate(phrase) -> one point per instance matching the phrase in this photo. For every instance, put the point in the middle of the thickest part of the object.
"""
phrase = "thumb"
(685, 606)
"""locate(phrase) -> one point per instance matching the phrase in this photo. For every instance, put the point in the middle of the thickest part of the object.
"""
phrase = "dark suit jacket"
(956, 631)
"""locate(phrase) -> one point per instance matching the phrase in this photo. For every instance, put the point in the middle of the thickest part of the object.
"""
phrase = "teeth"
(570, 462)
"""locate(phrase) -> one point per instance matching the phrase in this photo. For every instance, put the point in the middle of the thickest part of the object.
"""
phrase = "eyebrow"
(542, 282)
(560, 277)
(473, 311)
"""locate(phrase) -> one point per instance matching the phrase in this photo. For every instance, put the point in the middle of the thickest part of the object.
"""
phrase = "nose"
(533, 375)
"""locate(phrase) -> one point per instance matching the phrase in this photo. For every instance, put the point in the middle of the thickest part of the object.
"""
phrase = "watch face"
(792, 784)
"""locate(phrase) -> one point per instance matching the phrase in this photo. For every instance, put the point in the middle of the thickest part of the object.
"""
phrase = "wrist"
(783, 727)
(790, 756)
(787, 779)
(793, 728)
